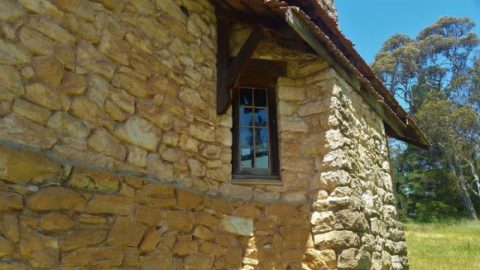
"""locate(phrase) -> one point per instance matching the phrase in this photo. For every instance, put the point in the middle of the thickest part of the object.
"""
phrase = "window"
(255, 148)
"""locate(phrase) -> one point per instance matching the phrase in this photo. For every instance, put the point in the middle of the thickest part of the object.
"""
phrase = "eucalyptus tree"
(436, 76)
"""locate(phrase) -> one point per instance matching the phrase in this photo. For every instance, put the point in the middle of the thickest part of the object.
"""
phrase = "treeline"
(436, 77)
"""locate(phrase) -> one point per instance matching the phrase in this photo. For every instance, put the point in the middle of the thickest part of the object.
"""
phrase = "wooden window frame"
(273, 173)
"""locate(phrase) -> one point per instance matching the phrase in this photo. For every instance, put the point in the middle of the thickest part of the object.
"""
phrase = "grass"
(444, 246)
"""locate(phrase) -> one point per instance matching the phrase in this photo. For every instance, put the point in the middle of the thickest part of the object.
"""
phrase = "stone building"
(192, 134)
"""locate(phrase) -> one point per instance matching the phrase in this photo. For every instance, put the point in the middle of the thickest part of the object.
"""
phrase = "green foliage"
(436, 76)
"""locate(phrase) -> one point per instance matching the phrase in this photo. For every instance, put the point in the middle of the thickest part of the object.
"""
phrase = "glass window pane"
(246, 137)
(261, 138)
(246, 157)
(261, 117)
(246, 116)
(245, 96)
(261, 158)
(260, 97)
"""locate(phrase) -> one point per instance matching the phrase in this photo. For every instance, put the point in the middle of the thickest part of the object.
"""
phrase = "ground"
(442, 246)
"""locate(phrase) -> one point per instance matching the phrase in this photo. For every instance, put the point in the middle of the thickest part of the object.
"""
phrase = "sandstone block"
(9, 227)
(337, 240)
(80, 8)
(159, 169)
(202, 132)
(39, 250)
(157, 261)
(123, 100)
(10, 54)
(156, 195)
(31, 111)
(314, 107)
(89, 58)
(23, 167)
(91, 219)
(324, 259)
(35, 42)
(160, 116)
(353, 258)
(48, 69)
(293, 124)
(13, 266)
(11, 11)
(93, 180)
(171, 8)
(51, 29)
(110, 204)
(102, 141)
(10, 79)
(188, 200)
(95, 257)
(133, 85)
(140, 132)
(178, 221)
(137, 156)
(185, 248)
(87, 109)
(237, 225)
(150, 240)
(203, 233)
(55, 198)
(149, 216)
(114, 47)
(125, 233)
(43, 96)
(82, 238)
(290, 93)
(73, 84)
(67, 126)
(198, 262)
(10, 201)
(54, 222)
(196, 167)
(191, 98)
(6, 247)
(236, 191)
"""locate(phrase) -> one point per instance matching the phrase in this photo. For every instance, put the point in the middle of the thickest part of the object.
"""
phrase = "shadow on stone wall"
(56, 216)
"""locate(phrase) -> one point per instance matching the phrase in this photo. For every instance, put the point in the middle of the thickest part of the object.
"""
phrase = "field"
(444, 246)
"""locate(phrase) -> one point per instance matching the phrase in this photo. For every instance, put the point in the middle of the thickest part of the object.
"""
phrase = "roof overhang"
(320, 31)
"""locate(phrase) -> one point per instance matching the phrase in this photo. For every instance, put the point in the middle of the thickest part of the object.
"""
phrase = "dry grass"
(444, 246)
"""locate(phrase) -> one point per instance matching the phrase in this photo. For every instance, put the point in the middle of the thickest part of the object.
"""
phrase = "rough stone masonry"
(112, 155)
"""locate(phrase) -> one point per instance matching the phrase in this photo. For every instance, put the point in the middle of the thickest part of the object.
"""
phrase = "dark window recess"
(255, 149)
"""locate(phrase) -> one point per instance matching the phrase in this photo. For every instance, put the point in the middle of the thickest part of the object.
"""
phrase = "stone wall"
(108, 124)
(55, 216)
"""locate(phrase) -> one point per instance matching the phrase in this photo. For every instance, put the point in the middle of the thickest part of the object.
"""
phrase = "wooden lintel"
(229, 74)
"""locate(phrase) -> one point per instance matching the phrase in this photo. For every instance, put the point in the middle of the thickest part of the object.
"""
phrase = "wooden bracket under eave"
(228, 73)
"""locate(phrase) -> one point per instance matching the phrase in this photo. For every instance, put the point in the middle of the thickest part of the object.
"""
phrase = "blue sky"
(368, 23)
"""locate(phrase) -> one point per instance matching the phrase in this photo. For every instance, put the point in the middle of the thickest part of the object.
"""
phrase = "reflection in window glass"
(246, 117)
(246, 137)
(261, 138)
(254, 129)
(246, 97)
(261, 117)
(246, 157)
(261, 158)
(260, 98)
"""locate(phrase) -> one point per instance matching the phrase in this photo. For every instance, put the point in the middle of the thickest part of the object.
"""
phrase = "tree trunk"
(476, 178)
(467, 202)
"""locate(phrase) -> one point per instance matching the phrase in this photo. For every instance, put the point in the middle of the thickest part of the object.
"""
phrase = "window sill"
(249, 180)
